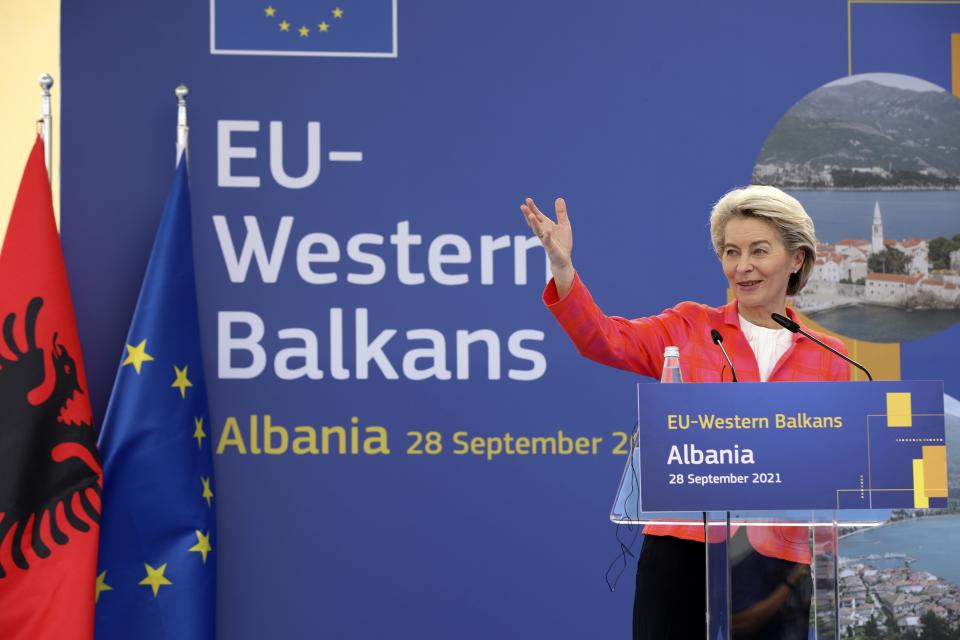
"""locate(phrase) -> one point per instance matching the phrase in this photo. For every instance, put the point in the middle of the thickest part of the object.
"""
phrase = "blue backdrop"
(640, 114)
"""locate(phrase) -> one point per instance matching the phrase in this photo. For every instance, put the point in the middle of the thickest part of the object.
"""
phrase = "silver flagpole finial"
(46, 122)
(182, 92)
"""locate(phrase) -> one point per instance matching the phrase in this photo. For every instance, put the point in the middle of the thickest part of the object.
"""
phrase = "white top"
(767, 344)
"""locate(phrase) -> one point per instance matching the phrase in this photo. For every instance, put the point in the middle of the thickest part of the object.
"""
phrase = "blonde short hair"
(783, 211)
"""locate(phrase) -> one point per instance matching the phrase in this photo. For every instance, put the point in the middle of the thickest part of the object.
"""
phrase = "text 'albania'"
(690, 454)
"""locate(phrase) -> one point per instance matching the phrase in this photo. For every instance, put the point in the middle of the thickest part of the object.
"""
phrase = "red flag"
(50, 477)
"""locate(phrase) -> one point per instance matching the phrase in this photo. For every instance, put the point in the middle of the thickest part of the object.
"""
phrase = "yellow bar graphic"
(935, 471)
(919, 498)
(899, 413)
(955, 62)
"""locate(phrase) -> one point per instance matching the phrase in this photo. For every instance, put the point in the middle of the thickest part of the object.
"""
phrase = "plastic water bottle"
(671, 365)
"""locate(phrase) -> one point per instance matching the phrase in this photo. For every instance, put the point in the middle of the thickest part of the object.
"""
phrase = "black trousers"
(670, 602)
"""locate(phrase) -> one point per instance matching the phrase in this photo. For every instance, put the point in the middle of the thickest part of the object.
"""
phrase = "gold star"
(198, 432)
(284, 26)
(338, 13)
(324, 27)
(304, 31)
(155, 578)
(137, 355)
(270, 11)
(101, 586)
(207, 493)
(203, 545)
(181, 382)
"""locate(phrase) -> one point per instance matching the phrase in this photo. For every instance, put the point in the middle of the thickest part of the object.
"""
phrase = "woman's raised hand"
(557, 240)
(556, 237)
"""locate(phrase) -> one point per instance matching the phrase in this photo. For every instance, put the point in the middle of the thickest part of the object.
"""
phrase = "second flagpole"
(182, 91)
(46, 122)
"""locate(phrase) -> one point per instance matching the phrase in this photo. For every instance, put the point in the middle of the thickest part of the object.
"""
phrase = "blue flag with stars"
(156, 576)
(336, 28)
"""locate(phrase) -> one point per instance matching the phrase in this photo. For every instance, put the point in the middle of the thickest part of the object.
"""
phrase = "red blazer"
(637, 345)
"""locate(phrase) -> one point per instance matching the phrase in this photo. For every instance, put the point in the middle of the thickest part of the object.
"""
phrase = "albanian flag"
(50, 478)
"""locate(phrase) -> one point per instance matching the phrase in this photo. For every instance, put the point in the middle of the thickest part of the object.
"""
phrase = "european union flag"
(157, 568)
(344, 28)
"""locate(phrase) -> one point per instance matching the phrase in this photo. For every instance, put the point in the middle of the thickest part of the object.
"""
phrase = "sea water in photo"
(849, 291)
(898, 572)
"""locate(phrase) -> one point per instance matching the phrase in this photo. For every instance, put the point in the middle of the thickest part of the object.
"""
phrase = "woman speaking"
(766, 246)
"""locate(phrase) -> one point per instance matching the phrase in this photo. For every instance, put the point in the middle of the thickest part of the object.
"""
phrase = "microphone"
(793, 327)
(718, 340)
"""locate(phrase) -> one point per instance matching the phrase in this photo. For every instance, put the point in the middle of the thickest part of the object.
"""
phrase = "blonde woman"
(766, 246)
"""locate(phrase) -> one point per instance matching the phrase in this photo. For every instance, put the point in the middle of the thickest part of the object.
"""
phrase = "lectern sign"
(804, 445)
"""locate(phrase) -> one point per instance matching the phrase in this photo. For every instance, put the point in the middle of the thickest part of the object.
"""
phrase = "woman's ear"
(798, 257)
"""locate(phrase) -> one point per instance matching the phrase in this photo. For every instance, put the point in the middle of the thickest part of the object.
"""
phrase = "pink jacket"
(637, 345)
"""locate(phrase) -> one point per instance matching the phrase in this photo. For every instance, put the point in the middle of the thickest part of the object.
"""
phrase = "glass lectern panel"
(753, 590)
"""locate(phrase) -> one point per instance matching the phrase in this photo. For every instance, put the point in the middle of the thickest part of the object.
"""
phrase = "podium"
(787, 469)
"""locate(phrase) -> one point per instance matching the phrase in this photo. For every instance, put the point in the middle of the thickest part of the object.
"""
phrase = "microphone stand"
(793, 327)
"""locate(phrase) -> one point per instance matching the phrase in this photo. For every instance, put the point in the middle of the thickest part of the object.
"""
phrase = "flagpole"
(182, 129)
(46, 122)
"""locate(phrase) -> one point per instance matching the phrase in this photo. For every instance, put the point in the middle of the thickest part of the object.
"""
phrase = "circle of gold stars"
(322, 27)
(156, 577)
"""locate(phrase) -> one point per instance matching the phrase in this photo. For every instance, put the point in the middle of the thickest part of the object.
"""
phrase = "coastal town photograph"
(895, 602)
(900, 580)
(875, 160)
(913, 281)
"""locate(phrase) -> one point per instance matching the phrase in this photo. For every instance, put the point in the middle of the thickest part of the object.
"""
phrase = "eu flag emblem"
(335, 28)
(157, 566)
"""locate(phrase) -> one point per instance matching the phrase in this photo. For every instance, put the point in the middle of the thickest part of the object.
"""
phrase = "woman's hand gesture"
(557, 240)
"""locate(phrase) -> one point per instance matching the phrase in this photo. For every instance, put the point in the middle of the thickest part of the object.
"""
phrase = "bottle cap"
(671, 352)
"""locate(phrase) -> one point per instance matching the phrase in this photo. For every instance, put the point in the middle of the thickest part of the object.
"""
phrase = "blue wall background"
(640, 114)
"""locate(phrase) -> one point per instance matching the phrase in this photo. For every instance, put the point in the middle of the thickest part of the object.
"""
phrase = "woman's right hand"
(556, 238)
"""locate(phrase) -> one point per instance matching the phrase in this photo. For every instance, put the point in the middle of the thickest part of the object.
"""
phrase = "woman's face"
(756, 263)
